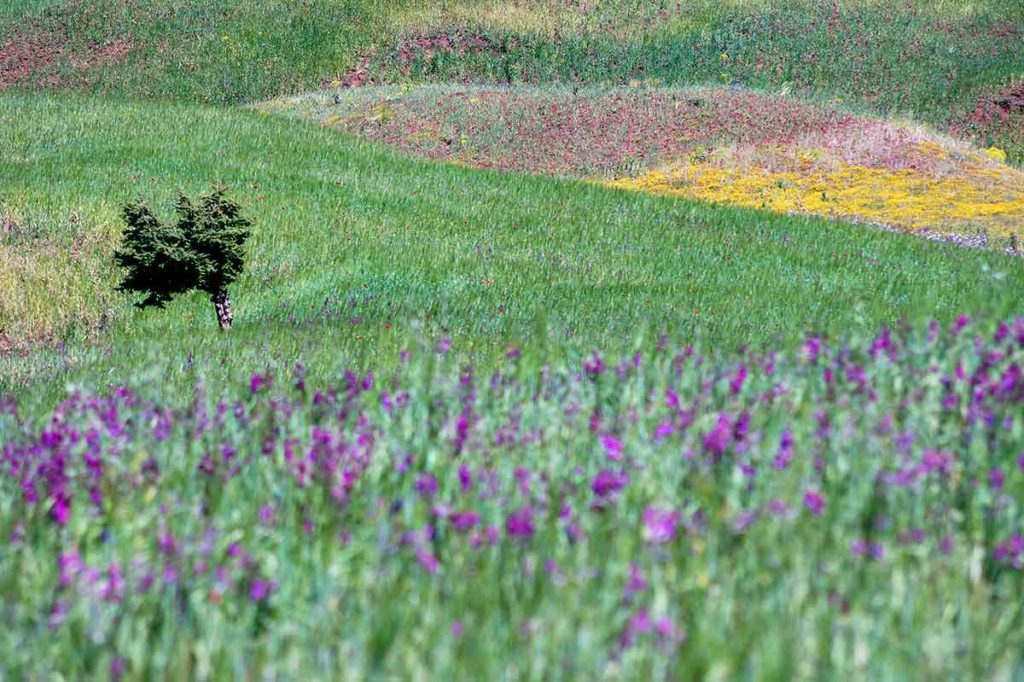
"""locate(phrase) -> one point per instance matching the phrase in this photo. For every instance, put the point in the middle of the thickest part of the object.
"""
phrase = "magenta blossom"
(637, 581)
(873, 550)
(426, 484)
(612, 447)
(465, 478)
(260, 590)
(427, 560)
(70, 565)
(814, 502)
(593, 365)
(520, 523)
(996, 479)
(669, 633)
(660, 525)
(812, 349)
(717, 440)
(639, 624)
(785, 452)
(258, 381)
(464, 520)
(608, 482)
(738, 379)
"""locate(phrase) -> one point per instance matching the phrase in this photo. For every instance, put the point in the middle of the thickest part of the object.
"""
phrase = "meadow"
(849, 511)
(355, 246)
(732, 146)
(592, 339)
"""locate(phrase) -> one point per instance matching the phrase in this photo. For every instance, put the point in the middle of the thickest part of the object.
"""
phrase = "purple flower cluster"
(853, 453)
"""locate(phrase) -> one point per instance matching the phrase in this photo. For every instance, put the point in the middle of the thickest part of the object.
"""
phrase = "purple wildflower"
(741, 428)
(520, 523)
(465, 478)
(70, 565)
(608, 482)
(660, 525)
(663, 431)
(168, 544)
(427, 560)
(996, 479)
(464, 520)
(612, 447)
(637, 581)
(639, 624)
(593, 365)
(812, 349)
(935, 461)
(861, 547)
(738, 379)
(260, 589)
(913, 536)
(946, 545)
(669, 634)
(57, 614)
(814, 502)
(61, 509)
(426, 484)
(785, 453)
(717, 440)
(171, 575)
(743, 520)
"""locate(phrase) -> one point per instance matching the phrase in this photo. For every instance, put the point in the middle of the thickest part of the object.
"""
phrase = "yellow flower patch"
(983, 195)
(996, 153)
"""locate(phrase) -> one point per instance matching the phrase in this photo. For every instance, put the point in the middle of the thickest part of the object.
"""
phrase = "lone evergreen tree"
(202, 251)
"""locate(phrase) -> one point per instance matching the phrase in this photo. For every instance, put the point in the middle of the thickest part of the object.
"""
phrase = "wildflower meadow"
(519, 340)
(657, 514)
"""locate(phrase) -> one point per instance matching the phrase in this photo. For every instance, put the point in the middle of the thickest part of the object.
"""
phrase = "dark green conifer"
(202, 251)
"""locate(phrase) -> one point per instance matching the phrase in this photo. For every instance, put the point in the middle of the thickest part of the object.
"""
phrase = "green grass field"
(347, 232)
(828, 487)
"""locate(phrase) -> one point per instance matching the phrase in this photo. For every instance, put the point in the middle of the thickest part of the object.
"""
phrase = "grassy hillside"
(354, 244)
(729, 145)
(473, 424)
(221, 51)
(943, 62)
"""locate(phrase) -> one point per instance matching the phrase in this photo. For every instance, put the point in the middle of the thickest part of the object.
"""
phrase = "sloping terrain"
(946, 64)
(477, 424)
(725, 145)
(357, 244)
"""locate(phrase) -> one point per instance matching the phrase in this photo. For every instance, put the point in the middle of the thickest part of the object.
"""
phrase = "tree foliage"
(203, 249)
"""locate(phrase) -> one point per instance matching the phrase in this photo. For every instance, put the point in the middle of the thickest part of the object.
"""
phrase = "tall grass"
(353, 245)
(838, 510)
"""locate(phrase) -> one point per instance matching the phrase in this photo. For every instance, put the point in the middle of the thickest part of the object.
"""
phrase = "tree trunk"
(222, 304)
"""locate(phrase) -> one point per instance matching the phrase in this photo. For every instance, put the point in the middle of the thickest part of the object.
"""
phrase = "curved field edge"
(953, 65)
(356, 248)
(732, 146)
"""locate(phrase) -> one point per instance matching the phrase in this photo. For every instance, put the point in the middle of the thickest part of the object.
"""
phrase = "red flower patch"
(32, 56)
